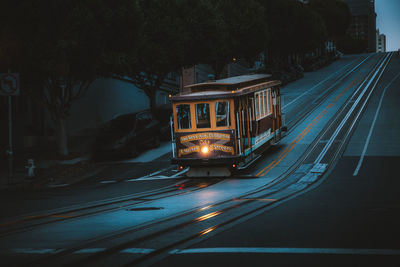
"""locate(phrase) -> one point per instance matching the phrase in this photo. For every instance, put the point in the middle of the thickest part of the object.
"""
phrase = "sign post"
(9, 85)
(10, 148)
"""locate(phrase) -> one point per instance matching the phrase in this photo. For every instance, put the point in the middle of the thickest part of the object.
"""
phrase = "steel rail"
(271, 204)
(380, 69)
(358, 114)
(327, 92)
(55, 215)
(191, 222)
(105, 206)
(305, 131)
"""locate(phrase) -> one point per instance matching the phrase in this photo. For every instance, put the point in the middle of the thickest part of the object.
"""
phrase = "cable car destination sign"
(217, 143)
(9, 84)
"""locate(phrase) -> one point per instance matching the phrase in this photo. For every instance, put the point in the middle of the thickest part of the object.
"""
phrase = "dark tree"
(176, 34)
(159, 49)
(294, 28)
(201, 31)
(242, 32)
(60, 47)
(335, 14)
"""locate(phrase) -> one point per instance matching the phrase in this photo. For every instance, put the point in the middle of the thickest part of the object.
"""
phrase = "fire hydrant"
(31, 168)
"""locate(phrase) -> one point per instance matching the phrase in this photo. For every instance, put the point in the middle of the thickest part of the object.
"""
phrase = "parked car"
(127, 135)
(163, 114)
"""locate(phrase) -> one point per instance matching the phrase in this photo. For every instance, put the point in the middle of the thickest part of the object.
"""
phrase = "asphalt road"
(348, 220)
(347, 217)
(113, 179)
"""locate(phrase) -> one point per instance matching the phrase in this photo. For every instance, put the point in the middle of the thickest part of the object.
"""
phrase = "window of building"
(222, 113)
(183, 116)
(203, 115)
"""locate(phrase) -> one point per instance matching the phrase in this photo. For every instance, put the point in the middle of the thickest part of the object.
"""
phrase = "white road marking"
(267, 250)
(157, 172)
(179, 173)
(312, 88)
(159, 177)
(89, 250)
(36, 250)
(344, 120)
(153, 178)
(147, 176)
(108, 182)
(137, 250)
(372, 127)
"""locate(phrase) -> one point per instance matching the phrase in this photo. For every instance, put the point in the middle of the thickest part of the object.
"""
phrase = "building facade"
(380, 42)
(363, 23)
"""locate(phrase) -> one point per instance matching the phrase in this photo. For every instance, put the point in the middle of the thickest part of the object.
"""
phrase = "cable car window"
(222, 113)
(261, 104)
(183, 116)
(203, 115)
(256, 108)
(268, 101)
(265, 103)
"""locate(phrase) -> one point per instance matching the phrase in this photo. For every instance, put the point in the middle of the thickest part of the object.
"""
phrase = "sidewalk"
(46, 172)
(58, 172)
(49, 167)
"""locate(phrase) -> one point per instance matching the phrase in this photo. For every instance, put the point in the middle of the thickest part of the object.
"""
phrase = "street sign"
(9, 84)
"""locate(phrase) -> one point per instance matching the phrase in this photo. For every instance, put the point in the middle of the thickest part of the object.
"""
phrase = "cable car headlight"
(205, 149)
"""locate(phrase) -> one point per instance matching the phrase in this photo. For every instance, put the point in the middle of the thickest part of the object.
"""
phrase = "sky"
(388, 22)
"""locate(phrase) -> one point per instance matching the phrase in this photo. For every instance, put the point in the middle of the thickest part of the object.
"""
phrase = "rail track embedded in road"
(160, 238)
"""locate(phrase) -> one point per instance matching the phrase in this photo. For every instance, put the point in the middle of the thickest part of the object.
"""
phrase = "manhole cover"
(145, 208)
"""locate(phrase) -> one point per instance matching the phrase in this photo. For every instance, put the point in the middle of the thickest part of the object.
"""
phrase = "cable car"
(223, 125)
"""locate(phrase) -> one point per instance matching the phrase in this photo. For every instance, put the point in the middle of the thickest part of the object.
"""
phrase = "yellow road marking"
(300, 136)
(208, 216)
(62, 216)
(285, 151)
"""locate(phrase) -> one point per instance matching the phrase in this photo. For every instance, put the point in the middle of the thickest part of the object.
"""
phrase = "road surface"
(327, 195)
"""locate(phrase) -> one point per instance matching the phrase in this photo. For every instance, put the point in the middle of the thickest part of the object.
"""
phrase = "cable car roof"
(228, 87)
(236, 80)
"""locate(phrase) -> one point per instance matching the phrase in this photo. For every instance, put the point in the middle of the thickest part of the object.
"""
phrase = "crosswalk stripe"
(272, 250)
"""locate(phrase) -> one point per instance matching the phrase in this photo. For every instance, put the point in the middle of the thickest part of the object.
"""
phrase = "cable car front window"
(183, 116)
(222, 113)
(203, 115)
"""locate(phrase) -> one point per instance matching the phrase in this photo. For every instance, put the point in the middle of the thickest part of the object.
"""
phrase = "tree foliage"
(293, 28)
(60, 47)
(175, 34)
(335, 15)
(241, 32)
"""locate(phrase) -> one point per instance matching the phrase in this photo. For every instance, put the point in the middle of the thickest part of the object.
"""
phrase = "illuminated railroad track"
(27, 222)
(149, 243)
